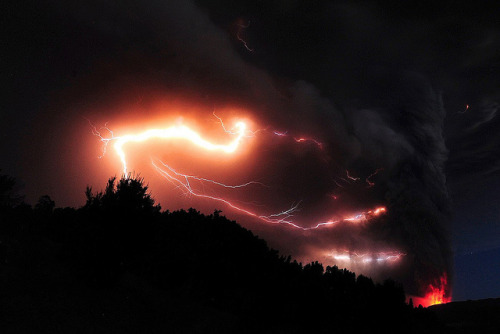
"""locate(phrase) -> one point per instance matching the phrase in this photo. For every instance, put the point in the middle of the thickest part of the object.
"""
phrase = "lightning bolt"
(184, 181)
(351, 177)
(368, 179)
(300, 139)
(369, 257)
(178, 131)
(187, 183)
(238, 35)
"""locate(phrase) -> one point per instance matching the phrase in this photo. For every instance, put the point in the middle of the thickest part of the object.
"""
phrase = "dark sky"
(410, 87)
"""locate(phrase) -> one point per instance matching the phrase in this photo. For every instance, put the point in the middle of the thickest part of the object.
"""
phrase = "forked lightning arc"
(184, 182)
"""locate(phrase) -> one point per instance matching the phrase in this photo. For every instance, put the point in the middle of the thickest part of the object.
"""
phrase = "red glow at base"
(436, 294)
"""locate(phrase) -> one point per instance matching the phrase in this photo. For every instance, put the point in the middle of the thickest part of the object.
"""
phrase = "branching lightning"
(184, 181)
(300, 139)
(192, 177)
(97, 132)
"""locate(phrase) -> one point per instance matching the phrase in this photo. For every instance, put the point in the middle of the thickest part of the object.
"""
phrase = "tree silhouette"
(202, 263)
(8, 196)
(129, 195)
(45, 204)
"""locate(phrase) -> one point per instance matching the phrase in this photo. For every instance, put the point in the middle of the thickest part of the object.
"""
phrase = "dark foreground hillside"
(120, 264)
(472, 316)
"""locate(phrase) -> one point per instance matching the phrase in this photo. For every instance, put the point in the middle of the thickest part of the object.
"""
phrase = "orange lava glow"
(436, 293)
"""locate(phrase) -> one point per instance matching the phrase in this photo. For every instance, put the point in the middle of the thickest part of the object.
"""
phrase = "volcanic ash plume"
(418, 203)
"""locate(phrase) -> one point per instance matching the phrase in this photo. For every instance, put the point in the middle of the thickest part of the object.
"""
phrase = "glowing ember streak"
(466, 108)
(377, 257)
(378, 211)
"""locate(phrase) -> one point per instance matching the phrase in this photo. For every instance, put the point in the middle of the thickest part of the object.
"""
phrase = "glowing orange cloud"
(177, 132)
(182, 181)
(367, 257)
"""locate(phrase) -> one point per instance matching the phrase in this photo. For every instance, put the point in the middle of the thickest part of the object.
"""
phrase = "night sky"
(401, 94)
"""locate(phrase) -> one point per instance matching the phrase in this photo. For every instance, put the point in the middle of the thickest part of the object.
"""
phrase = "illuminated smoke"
(351, 257)
(396, 126)
(414, 185)
(435, 293)
(184, 181)
(178, 131)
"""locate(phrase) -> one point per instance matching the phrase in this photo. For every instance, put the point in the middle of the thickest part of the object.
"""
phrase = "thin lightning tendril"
(368, 179)
(300, 139)
(283, 217)
(351, 177)
(277, 218)
(182, 181)
(188, 177)
(240, 28)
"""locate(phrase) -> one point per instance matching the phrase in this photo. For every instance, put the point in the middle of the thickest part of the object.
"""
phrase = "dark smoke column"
(416, 191)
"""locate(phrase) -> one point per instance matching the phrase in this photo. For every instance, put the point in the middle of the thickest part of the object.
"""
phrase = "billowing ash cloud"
(368, 83)
(419, 206)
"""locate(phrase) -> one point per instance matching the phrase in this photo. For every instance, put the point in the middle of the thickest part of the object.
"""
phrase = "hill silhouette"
(471, 316)
(121, 264)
